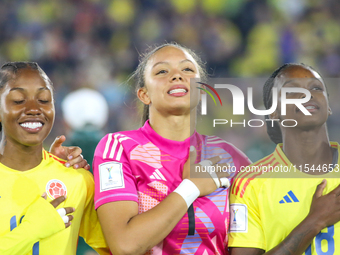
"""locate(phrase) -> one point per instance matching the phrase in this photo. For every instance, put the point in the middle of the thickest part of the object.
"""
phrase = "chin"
(310, 125)
(31, 143)
(179, 110)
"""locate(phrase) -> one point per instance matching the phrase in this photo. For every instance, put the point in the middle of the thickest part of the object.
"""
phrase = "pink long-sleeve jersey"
(142, 166)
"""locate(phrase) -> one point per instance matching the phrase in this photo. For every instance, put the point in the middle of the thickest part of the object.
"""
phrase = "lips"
(32, 126)
(178, 90)
(310, 106)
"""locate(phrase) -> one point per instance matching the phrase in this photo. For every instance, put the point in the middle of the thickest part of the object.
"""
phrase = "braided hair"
(9, 71)
(273, 130)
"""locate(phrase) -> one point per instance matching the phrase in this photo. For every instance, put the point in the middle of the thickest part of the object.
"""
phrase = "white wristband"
(188, 191)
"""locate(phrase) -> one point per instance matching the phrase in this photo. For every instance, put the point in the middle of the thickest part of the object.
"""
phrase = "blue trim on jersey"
(13, 222)
(35, 250)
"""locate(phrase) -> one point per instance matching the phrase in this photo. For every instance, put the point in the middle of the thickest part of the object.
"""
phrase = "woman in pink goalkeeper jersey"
(146, 201)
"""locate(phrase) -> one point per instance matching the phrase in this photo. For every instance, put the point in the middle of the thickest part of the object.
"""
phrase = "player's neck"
(19, 157)
(308, 147)
(177, 128)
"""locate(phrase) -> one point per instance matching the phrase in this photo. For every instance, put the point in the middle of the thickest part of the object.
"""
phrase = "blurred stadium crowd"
(96, 44)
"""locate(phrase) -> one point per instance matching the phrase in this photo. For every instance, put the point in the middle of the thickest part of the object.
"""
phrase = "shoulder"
(79, 182)
(120, 136)
(113, 141)
(59, 167)
(251, 178)
(215, 141)
(47, 156)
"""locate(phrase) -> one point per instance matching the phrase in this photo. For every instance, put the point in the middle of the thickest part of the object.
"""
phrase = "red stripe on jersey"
(250, 179)
(273, 166)
(58, 159)
(265, 159)
(240, 179)
(281, 157)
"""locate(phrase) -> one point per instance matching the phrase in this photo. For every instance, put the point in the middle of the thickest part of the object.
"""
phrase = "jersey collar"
(283, 160)
(178, 149)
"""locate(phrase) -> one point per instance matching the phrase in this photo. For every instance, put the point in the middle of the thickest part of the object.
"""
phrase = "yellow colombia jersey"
(265, 210)
(26, 218)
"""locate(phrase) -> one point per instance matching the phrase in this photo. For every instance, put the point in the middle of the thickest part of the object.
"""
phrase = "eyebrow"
(21, 89)
(165, 62)
(294, 80)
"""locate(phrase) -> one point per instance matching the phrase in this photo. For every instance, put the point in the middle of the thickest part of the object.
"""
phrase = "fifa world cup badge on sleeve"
(111, 176)
(238, 218)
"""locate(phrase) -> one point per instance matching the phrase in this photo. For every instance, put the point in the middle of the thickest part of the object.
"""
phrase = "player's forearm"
(298, 240)
(41, 221)
(19, 241)
(145, 230)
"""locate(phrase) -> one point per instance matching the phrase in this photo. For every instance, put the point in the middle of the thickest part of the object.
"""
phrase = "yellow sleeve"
(41, 221)
(245, 219)
(90, 228)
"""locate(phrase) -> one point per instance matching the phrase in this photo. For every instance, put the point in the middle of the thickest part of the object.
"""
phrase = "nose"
(32, 108)
(176, 76)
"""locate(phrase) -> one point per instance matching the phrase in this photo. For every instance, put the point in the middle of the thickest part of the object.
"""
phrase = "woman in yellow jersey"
(29, 223)
(290, 203)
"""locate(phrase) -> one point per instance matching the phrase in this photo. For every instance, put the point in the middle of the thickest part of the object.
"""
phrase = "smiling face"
(26, 108)
(167, 82)
(304, 77)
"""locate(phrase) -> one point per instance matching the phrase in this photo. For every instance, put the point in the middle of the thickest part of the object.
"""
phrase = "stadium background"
(96, 44)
